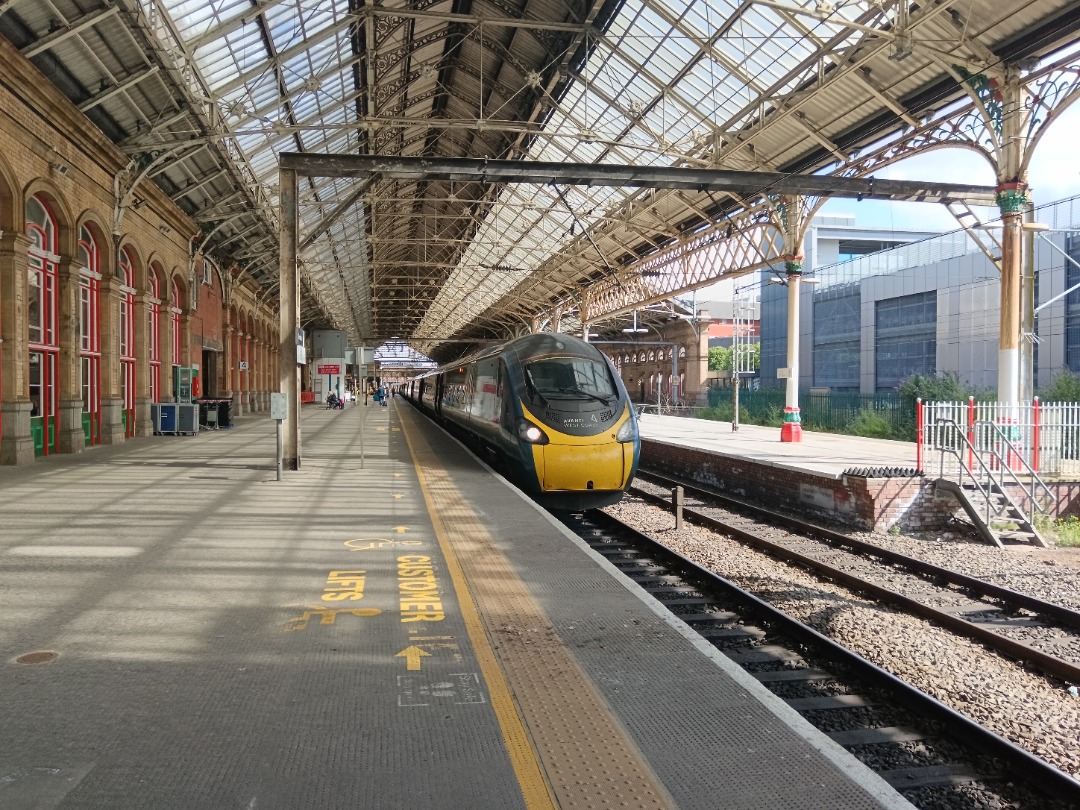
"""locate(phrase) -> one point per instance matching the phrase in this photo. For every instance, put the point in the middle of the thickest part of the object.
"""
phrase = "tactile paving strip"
(585, 753)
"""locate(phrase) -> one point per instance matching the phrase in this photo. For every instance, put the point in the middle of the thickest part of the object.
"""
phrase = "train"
(547, 410)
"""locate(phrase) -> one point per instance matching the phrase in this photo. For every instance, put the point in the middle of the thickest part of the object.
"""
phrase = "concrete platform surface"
(391, 626)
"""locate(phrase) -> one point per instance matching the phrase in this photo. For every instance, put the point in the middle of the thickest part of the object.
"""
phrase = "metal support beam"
(289, 296)
(745, 184)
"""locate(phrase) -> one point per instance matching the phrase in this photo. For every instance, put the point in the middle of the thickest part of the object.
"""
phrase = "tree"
(719, 358)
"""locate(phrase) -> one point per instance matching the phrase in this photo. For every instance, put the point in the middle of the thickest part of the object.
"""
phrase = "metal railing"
(1046, 435)
(984, 454)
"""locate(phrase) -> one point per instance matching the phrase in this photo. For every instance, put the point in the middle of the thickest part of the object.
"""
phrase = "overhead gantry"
(785, 193)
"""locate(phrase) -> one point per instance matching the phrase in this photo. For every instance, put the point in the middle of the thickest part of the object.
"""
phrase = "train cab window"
(570, 378)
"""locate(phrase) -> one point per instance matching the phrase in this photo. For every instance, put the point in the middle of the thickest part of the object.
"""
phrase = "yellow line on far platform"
(534, 787)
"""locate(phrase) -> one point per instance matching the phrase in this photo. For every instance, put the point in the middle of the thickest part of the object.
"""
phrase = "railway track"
(930, 753)
(1042, 635)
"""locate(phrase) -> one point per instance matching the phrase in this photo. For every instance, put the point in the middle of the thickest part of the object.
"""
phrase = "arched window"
(652, 356)
(42, 305)
(176, 310)
(682, 352)
(210, 272)
(626, 358)
(153, 330)
(89, 257)
(126, 271)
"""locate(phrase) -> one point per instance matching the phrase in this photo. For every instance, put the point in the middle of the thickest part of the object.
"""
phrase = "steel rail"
(1027, 767)
(1018, 650)
(1063, 614)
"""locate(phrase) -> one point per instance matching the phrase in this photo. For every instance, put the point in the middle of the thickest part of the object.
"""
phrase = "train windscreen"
(570, 378)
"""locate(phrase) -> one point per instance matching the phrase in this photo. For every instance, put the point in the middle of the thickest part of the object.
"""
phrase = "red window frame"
(127, 339)
(154, 332)
(43, 270)
(90, 330)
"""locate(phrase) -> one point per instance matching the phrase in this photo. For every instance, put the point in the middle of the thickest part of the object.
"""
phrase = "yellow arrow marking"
(398, 495)
(400, 529)
(412, 657)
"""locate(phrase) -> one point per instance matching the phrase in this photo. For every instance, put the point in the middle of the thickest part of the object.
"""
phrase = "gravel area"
(1030, 710)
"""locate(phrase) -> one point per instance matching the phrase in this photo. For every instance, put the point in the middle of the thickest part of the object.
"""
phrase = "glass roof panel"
(702, 17)
(627, 106)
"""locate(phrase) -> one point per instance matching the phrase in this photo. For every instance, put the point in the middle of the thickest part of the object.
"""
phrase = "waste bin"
(225, 413)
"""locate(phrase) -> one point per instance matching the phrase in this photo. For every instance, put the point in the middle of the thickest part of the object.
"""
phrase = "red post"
(1035, 436)
(971, 433)
(919, 435)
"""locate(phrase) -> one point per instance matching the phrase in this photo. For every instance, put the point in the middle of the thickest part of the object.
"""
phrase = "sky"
(1053, 174)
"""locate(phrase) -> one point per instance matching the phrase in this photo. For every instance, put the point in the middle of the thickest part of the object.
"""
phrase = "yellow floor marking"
(534, 787)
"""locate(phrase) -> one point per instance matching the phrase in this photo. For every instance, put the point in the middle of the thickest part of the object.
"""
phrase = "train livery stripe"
(523, 758)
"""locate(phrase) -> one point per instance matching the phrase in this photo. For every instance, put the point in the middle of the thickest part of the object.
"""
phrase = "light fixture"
(634, 329)
(902, 47)
(60, 168)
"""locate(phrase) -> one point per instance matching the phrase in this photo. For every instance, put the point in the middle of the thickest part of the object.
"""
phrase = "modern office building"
(930, 304)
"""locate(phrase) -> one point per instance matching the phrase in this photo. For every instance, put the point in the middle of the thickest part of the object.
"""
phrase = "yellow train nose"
(581, 467)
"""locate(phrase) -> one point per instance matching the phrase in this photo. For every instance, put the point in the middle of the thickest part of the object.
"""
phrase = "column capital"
(14, 242)
(1012, 198)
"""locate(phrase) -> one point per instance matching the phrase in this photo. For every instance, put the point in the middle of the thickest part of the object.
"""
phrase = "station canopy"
(203, 95)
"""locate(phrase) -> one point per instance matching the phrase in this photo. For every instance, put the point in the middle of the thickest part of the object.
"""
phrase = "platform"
(828, 454)
(866, 484)
(391, 626)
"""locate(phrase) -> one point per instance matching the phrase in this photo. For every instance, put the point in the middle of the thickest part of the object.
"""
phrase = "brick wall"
(868, 504)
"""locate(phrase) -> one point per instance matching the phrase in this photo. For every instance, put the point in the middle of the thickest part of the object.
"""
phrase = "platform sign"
(279, 405)
(329, 369)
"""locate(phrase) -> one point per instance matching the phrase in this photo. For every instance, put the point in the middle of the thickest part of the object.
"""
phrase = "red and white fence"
(1039, 436)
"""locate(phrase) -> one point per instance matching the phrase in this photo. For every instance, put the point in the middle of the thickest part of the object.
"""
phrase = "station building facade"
(667, 367)
(103, 294)
(928, 307)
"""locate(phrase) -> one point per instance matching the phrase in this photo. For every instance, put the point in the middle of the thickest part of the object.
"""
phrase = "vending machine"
(182, 377)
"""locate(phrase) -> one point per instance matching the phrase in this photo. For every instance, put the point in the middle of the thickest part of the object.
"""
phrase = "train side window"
(506, 415)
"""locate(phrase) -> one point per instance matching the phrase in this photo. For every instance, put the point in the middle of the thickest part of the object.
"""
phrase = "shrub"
(773, 416)
(1064, 388)
(940, 388)
(1060, 532)
(872, 424)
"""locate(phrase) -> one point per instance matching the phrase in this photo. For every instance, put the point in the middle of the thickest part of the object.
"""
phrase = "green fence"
(886, 415)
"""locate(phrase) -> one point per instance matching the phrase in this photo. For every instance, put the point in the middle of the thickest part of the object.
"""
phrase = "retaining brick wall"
(868, 504)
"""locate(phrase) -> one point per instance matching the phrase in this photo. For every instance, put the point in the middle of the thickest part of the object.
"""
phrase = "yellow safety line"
(523, 758)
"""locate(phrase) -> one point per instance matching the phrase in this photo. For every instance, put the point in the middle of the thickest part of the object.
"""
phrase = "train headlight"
(528, 432)
(626, 431)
